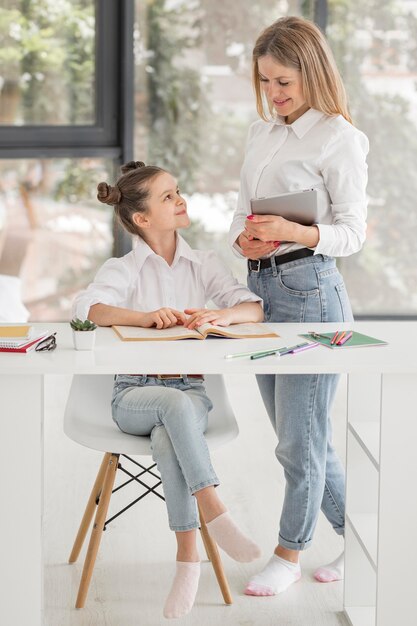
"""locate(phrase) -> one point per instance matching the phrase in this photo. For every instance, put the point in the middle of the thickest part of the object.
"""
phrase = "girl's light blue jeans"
(305, 290)
(174, 413)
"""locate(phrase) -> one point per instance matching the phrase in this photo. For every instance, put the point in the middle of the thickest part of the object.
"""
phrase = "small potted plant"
(83, 333)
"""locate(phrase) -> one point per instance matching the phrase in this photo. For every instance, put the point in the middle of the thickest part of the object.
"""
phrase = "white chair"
(88, 421)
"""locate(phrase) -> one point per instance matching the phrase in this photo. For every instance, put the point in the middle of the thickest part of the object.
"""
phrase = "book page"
(238, 331)
(136, 333)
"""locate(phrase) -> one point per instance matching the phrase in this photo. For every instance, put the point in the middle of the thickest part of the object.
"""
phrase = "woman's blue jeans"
(305, 290)
(174, 413)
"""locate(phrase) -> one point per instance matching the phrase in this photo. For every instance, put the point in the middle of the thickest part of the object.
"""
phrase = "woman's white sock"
(231, 539)
(276, 577)
(184, 587)
(331, 572)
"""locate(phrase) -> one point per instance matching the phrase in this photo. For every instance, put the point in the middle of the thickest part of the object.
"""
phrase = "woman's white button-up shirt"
(316, 151)
(143, 281)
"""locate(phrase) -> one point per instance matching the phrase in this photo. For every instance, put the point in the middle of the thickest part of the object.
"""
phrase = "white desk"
(381, 459)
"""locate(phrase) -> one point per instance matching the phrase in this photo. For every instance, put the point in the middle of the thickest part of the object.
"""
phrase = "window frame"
(113, 34)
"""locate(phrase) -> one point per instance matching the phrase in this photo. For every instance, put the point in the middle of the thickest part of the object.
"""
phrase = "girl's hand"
(219, 317)
(269, 228)
(163, 318)
(253, 248)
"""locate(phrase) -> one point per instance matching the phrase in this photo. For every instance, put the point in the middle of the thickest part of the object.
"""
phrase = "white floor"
(136, 559)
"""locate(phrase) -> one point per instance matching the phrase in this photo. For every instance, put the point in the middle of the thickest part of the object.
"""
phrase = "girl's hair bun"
(108, 194)
(132, 165)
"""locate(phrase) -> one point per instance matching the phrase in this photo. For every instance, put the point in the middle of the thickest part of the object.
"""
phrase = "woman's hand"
(255, 249)
(267, 227)
(163, 318)
(270, 228)
(219, 317)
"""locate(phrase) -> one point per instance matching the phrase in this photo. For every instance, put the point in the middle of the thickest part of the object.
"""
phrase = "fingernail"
(277, 243)
(249, 217)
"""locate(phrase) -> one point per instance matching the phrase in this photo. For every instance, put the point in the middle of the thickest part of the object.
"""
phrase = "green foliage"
(86, 325)
(47, 58)
(366, 33)
(186, 136)
(79, 182)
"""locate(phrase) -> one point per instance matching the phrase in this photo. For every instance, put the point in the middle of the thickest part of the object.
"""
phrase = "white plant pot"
(84, 339)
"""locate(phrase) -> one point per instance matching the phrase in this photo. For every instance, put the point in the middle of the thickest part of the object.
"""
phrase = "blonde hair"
(298, 43)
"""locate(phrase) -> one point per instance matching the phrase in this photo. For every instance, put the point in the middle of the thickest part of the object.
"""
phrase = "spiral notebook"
(16, 344)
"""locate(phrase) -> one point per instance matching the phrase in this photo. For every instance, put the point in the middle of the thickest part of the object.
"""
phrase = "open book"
(235, 331)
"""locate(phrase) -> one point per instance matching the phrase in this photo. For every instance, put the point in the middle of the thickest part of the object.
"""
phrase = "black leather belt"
(255, 265)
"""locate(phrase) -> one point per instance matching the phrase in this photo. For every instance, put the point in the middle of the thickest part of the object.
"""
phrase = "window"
(65, 124)
(194, 104)
(375, 46)
(47, 63)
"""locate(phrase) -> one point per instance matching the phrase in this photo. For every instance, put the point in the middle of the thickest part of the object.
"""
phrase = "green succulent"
(77, 324)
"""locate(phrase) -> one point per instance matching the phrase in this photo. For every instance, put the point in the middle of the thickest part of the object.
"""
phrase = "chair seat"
(88, 419)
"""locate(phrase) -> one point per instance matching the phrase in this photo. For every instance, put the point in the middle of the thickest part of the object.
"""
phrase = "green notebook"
(356, 341)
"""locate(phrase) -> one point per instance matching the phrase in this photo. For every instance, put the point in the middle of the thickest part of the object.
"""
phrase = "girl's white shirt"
(316, 151)
(143, 281)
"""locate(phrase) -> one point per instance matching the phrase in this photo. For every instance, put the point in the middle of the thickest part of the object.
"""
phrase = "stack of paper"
(19, 338)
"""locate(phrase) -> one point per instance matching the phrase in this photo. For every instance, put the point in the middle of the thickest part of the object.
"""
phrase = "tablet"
(296, 206)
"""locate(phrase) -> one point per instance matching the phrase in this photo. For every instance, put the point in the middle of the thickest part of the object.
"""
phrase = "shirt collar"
(302, 125)
(142, 251)
(184, 250)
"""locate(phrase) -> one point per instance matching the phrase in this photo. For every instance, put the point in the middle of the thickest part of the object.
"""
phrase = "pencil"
(341, 342)
(334, 338)
(340, 338)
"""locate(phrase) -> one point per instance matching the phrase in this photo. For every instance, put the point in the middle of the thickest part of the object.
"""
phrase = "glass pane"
(47, 62)
(194, 102)
(376, 49)
(54, 234)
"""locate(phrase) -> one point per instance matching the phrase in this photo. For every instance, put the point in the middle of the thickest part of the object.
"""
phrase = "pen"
(314, 334)
(293, 348)
(240, 354)
(305, 347)
(280, 351)
(260, 355)
(334, 338)
(345, 339)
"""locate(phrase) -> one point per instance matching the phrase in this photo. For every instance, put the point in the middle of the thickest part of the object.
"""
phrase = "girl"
(306, 140)
(162, 283)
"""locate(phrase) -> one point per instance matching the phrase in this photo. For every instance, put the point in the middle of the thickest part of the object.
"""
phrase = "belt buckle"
(252, 269)
(166, 376)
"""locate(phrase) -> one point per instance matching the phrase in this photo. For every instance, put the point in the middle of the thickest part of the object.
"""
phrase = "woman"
(305, 141)
(163, 283)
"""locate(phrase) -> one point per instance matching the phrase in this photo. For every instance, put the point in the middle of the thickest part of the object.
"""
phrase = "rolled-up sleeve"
(243, 205)
(344, 172)
(238, 224)
(221, 286)
(110, 286)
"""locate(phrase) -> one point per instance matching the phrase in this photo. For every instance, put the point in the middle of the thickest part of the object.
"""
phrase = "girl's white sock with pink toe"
(331, 572)
(184, 587)
(275, 578)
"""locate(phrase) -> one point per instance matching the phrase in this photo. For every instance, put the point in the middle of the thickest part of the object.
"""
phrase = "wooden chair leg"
(97, 530)
(214, 556)
(206, 547)
(89, 510)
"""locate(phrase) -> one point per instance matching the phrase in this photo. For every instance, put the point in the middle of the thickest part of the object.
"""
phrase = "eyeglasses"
(47, 344)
